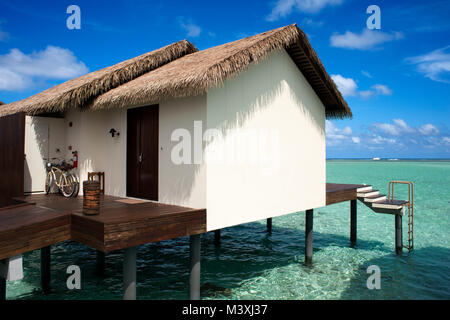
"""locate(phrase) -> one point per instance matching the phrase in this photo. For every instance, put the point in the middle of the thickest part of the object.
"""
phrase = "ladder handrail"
(410, 206)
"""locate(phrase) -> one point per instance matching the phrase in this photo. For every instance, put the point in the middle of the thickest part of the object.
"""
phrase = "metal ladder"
(409, 205)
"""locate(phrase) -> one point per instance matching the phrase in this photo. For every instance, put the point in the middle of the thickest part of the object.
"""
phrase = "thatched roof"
(193, 74)
(80, 91)
(179, 70)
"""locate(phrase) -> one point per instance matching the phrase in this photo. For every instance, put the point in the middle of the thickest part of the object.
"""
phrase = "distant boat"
(393, 159)
(376, 159)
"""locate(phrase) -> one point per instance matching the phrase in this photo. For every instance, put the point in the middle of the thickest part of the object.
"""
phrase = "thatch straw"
(178, 70)
(80, 91)
(194, 74)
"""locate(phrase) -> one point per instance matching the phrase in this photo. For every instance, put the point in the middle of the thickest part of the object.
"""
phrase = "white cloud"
(382, 89)
(349, 88)
(192, 29)
(435, 65)
(367, 39)
(336, 136)
(9, 80)
(19, 70)
(425, 135)
(397, 137)
(397, 128)
(333, 132)
(403, 126)
(428, 129)
(356, 139)
(387, 128)
(382, 140)
(283, 8)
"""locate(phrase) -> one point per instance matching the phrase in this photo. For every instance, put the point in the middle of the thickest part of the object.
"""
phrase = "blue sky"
(396, 79)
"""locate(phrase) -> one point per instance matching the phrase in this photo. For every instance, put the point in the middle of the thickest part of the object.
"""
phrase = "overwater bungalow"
(187, 141)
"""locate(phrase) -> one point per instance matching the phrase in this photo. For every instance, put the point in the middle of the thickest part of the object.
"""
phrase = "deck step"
(366, 194)
(375, 199)
(390, 204)
(364, 189)
(388, 211)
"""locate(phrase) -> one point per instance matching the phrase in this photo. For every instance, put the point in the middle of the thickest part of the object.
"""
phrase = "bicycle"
(60, 175)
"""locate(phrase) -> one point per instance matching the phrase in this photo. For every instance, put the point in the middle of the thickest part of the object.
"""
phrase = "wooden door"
(142, 152)
(12, 152)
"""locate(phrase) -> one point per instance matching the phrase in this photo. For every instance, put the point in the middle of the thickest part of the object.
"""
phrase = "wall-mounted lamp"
(114, 132)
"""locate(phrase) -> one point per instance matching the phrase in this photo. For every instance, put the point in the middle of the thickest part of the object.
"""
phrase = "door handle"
(140, 157)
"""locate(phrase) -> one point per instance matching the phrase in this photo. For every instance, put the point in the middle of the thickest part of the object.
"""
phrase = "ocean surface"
(252, 264)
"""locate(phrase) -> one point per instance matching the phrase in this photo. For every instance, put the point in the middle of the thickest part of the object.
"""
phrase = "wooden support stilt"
(100, 263)
(353, 222)
(194, 276)
(129, 274)
(398, 234)
(217, 238)
(269, 225)
(45, 268)
(309, 236)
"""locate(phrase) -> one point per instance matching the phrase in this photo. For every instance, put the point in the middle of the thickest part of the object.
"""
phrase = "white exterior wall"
(274, 97)
(183, 184)
(98, 151)
(43, 138)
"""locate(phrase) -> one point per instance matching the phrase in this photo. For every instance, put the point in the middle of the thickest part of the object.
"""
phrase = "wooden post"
(353, 221)
(45, 268)
(269, 225)
(217, 237)
(309, 236)
(100, 265)
(129, 274)
(398, 234)
(194, 276)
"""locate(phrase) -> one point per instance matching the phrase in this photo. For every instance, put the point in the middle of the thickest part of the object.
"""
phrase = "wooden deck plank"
(338, 192)
(28, 228)
(122, 222)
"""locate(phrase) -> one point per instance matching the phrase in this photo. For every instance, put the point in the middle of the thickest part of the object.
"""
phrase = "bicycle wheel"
(48, 183)
(68, 187)
(77, 185)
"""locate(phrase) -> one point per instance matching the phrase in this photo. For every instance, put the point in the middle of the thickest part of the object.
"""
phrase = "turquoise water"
(251, 264)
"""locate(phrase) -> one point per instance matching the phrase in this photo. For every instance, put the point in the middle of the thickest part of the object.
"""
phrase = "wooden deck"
(28, 227)
(338, 192)
(122, 223)
(45, 220)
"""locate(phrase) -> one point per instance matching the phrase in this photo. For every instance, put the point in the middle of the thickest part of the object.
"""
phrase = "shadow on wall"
(28, 179)
(254, 102)
(42, 134)
(42, 137)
